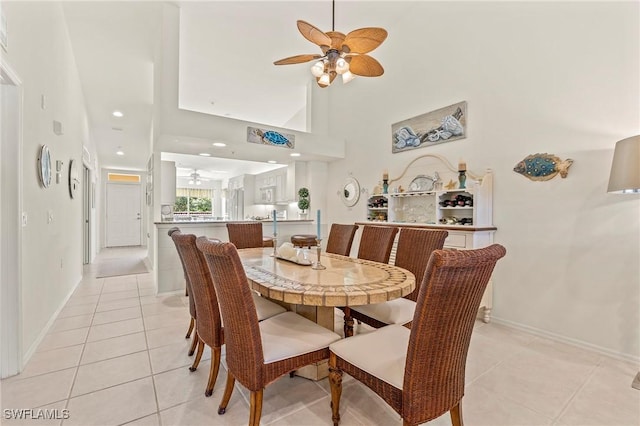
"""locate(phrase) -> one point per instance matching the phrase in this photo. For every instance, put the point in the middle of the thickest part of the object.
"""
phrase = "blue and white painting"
(442, 125)
(270, 137)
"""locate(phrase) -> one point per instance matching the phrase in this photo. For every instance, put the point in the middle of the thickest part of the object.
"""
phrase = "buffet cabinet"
(466, 213)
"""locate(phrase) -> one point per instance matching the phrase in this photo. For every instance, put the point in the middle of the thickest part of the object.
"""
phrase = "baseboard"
(34, 346)
(568, 340)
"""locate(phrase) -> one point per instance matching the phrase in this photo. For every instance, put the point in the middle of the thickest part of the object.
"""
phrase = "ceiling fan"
(194, 178)
(341, 54)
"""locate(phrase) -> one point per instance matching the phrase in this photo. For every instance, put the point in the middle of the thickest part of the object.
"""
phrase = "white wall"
(543, 77)
(40, 53)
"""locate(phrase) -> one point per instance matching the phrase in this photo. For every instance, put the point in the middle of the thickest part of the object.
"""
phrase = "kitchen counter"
(167, 267)
(224, 222)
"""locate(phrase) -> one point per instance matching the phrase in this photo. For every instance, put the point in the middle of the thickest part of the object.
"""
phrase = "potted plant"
(303, 202)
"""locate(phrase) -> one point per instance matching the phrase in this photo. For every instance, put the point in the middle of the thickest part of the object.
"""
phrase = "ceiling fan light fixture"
(347, 77)
(341, 54)
(317, 69)
(342, 66)
(191, 182)
(324, 79)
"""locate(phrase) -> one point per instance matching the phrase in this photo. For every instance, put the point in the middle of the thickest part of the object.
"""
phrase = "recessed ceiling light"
(272, 161)
(120, 151)
(219, 144)
(295, 154)
(118, 114)
(205, 154)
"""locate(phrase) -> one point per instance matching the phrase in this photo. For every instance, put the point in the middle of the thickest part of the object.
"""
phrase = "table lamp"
(625, 179)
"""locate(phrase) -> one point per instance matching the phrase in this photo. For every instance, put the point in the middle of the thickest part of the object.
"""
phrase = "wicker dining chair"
(209, 329)
(189, 294)
(376, 243)
(245, 235)
(341, 239)
(412, 253)
(420, 372)
(258, 353)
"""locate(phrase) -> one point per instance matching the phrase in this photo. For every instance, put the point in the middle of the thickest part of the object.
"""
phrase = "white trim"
(11, 304)
(34, 346)
(568, 340)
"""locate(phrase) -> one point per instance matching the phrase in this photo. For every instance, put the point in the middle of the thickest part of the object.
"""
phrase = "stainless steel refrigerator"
(235, 204)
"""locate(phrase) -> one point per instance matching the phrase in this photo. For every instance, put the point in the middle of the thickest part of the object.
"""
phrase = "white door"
(124, 220)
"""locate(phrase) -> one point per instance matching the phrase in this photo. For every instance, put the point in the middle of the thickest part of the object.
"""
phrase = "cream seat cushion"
(288, 335)
(266, 308)
(381, 353)
(396, 311)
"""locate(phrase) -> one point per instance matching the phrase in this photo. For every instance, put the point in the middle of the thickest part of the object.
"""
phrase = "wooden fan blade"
(365, 66)
(364, 40)
(298, 59)
(313, 34)
(337, 39)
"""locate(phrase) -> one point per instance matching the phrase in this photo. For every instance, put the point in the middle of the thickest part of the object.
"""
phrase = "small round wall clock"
(44, 166)
(74, 180)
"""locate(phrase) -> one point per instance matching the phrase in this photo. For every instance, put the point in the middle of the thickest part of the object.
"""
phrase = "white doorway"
(10, 221)
(124, 214)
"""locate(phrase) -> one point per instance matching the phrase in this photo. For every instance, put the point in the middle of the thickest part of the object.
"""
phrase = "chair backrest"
(376, 243)
(245, 358)
(414, 249)
(208, 323)
(192, 304)
(445, 312)
(245, 235)
(341, 239)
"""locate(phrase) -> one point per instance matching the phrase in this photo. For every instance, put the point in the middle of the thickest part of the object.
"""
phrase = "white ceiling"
(216, 168)
(226, 54)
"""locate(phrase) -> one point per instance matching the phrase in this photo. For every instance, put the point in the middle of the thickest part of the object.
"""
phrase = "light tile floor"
(117, 355)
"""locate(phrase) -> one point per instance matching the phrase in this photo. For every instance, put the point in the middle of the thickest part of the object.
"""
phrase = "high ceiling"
(226, 59)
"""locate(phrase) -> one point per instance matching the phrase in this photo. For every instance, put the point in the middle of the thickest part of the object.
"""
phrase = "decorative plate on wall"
(74, 180)
(44, 166)
(421, 183)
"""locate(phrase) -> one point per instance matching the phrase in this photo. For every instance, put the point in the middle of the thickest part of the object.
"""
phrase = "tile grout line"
(146, 341)
(571, 399)
(75, 376)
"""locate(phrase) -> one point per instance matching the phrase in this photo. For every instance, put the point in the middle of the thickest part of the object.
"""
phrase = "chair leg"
(335, 380)
(255, 409)
(456, 415)
(192, 349)
(192, 323)
(348, 322)
(228, 390)
(196, 361)
(213, 372)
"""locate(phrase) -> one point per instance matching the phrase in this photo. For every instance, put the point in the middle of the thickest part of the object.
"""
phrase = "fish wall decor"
(540, 167)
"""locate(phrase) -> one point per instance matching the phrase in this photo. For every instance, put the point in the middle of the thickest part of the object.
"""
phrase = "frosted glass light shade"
(342, 66)
(317, 69)
(324, 79)
(625, 169)
(347, 77)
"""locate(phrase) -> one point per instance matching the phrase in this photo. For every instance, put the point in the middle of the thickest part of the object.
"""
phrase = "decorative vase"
(462, 179)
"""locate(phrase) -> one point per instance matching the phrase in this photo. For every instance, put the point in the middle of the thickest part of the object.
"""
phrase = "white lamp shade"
(625, 169)
(347, 77)
(317, 69)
